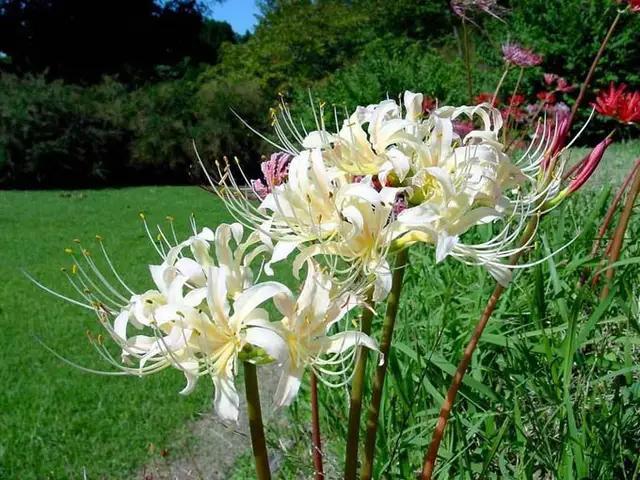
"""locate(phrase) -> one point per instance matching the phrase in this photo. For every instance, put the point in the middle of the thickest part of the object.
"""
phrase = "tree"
(81, 41)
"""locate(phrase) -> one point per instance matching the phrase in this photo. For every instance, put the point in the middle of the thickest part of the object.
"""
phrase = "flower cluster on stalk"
(619, 103)
(339, 202)
(515, 54)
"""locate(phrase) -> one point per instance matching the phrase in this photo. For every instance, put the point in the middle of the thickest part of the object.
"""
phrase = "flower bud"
(558, 143)
(589, 165)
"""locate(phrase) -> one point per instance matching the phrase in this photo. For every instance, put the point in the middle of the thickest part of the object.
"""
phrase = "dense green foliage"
(54, 134)
(80, 41)
(140, 129)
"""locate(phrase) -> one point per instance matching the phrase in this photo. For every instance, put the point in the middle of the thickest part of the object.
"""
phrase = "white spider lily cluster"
(389, 176)
(341, 203)
(206, 313)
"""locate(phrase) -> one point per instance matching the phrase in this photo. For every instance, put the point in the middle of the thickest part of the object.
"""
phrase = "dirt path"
(209, 449)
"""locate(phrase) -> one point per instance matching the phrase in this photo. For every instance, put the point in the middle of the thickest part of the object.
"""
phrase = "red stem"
(618, 237)
(607, 220)
(594, 64)
(315, 430)
(432, 453)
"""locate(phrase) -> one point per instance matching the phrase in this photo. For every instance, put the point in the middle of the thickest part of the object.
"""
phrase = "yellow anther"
(68, 250)
(141, 215)
(100, 339)
(86, 252)
(74, 269)
(158, 237)
(76, 240)
(62, 269)
(170, 218)
(99, 238)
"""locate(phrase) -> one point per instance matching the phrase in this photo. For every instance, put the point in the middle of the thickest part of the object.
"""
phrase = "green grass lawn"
(56, 420)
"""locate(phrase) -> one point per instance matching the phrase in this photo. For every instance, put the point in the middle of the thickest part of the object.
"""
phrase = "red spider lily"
(546, 97)
(462, 127)
(563, 86)
(275, 171)
(516, 113)
(629, 108)
(486, 97)
(634, 5)
(617, 103)
(428, 104)
(516, 100)
(607, 101)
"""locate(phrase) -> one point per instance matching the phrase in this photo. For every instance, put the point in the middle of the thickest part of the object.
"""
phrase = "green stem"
(378, 380)
(467, 60)
(355, 402)
(502, 79)
(515, 91)
(254, 412)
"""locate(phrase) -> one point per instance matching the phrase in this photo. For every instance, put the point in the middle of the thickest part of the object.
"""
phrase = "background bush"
(62, 127)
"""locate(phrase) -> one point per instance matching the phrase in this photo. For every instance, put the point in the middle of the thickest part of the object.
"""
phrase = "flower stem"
(502, 79)
(607, 221)
(432, 453)
(618, 236)
(592, 69)
(315, 430)
(355, 402)
(254, 412)
(510, 113)
(467, 59)
(393, 302)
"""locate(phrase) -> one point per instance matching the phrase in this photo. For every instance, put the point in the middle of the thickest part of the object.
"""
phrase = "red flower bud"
(558, 142)
(589, 164)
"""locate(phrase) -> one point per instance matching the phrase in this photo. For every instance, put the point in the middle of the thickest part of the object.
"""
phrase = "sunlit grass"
(56, 420)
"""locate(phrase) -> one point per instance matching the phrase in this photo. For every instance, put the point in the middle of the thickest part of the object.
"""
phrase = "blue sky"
(239, 13)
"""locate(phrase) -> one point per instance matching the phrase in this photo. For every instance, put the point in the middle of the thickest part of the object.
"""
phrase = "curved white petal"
(252, 297)
(288, 386)
(226, 401)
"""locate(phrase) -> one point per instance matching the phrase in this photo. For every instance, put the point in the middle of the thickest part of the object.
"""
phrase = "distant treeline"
(115, 91)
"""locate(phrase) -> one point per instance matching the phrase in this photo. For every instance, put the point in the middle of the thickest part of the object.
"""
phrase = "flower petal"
(288, 387)
(226, 401)
(252, 297)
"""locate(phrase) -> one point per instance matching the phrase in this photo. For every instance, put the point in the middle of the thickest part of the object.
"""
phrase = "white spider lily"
(198, 319)
(445, 184)
(375, 140)
(303, 208)
(306, 341)
(470, 181)
(362, 240)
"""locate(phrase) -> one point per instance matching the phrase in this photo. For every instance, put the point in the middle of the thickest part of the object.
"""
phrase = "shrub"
(56, 135)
